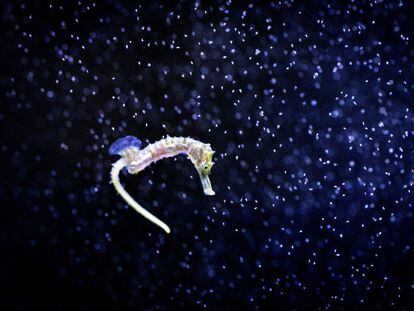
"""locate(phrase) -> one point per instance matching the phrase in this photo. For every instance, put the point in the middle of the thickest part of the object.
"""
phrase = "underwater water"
(308, 106)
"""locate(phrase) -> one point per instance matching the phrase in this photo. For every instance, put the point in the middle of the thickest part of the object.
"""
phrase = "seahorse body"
(135, 160)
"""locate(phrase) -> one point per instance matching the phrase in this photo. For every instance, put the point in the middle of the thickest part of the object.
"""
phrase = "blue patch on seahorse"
(119, 145)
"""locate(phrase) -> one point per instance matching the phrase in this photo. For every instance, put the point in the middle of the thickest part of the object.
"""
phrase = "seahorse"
(135, 159)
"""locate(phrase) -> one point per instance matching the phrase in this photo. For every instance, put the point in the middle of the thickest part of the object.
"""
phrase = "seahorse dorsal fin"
(119, 145)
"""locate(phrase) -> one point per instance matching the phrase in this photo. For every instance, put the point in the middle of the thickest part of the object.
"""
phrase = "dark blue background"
(308, 104)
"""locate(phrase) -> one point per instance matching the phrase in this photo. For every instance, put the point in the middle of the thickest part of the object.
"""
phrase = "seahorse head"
(202, 157)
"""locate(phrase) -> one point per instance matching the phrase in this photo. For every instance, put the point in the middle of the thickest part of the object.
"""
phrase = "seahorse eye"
(205, 168)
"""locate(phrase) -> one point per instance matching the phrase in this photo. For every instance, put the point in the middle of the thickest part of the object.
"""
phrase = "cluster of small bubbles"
(307, 105)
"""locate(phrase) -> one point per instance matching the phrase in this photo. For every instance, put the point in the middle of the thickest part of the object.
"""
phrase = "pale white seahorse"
(136, 159)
